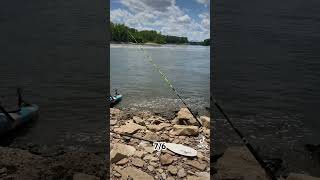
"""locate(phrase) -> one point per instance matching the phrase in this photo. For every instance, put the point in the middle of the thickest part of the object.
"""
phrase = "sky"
(184, 18)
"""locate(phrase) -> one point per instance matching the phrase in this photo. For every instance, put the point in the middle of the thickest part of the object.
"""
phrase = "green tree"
(119, 33)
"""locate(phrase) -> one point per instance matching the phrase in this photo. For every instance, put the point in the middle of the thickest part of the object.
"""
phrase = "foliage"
(119, 33)
(206, 42)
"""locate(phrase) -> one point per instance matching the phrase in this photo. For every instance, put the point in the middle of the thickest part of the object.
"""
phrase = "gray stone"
(163, 175)
(150, 168)
(173, 170)
(138, 162)
(182, 173)
(166, 159)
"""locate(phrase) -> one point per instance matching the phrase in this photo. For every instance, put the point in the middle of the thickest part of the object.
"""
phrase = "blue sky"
(189, 18)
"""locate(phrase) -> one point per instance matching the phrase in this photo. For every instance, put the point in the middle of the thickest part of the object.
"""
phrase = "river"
(186, 66)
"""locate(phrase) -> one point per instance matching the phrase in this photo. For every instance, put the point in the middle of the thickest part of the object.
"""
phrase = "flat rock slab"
(158, 127)
(129, 128)
(182, 130)
(134, 173)
(197, 165)
(122, 161)
(120, 151)
(151, 136)
(138, 162)
(238, 162)
(138, 120)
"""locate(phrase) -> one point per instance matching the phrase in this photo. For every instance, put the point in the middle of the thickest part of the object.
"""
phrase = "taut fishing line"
(244, 140)
(164, 77)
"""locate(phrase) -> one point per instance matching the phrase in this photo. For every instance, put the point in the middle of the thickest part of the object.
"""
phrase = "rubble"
(142, 161)
(182, 130)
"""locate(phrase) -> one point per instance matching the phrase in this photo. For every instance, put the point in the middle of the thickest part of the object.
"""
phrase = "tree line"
(119, 33)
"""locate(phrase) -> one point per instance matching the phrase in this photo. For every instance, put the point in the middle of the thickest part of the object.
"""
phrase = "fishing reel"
(116, 92)
(21, 101)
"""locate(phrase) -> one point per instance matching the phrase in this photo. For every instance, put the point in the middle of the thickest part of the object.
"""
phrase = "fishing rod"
(135, 137)
(165, 78)
(20, 100)
(6, 114)
(246, 142)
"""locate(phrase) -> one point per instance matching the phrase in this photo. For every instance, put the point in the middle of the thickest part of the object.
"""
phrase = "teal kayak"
(20, 117)
(114, 100)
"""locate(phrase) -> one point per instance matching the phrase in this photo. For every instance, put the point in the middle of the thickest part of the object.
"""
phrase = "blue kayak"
(114, 100)
(24, 115)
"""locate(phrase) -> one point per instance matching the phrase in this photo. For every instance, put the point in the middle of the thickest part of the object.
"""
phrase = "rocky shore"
(16, 164)
(239, 163)
(136, 159)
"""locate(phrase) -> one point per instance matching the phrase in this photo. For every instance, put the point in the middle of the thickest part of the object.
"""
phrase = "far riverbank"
(153, 44)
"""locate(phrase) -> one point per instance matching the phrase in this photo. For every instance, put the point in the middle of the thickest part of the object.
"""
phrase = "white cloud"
(184, 19)
(142, 5)
(204, 2)
(164, 16)
(205, 20)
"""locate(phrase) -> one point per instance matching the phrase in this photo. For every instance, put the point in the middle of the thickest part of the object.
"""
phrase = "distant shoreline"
(151, 44)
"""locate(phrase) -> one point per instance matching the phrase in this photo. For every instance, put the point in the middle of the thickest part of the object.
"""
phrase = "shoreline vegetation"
(119, 34)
